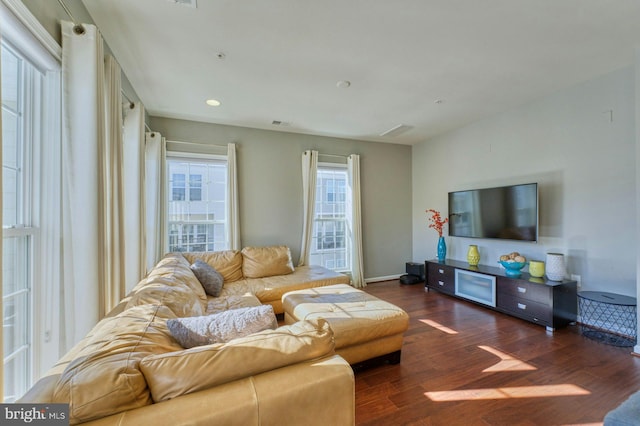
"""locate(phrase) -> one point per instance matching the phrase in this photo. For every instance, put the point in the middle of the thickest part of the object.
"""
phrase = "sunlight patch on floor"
(506, 363)
(438, 326)
(542, 391)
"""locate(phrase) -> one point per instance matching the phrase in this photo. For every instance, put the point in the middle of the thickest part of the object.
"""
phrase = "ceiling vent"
(396, 130)
(189, 3)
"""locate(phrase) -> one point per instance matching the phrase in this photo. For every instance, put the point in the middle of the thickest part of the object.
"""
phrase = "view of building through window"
(197, 204)
(330, 246)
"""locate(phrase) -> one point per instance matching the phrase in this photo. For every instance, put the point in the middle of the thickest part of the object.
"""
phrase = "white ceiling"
(283, 59)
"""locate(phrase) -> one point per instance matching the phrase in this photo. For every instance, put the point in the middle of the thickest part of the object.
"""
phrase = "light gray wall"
(585, 166)
(270, 187)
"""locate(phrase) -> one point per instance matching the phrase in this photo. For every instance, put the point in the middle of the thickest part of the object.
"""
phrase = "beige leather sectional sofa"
(129, 370)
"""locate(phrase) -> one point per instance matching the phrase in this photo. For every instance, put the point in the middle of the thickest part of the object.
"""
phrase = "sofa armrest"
(625, 414)
(315, 392)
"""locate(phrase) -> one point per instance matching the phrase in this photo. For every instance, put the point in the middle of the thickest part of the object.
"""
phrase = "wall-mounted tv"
(506, 212)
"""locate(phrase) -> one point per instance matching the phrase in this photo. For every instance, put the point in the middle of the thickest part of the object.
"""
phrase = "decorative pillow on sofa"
(222, 327)
(170, 375)
(259, 262)
(210, 279)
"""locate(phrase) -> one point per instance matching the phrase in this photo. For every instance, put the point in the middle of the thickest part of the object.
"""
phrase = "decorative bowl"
(512, 268)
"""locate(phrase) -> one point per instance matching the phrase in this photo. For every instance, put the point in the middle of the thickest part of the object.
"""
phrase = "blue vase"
(442, 249)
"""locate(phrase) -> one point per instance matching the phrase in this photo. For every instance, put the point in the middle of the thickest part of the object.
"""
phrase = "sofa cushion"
(104, 378)
(171, 283)
(222, 327)
(258, 262)
(227, 262)
(173, 374)
(182, 301)
(176, 267)
(221, 304)
(210, 279)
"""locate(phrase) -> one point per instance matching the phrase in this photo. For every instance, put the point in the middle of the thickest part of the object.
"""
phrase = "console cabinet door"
(441, 277)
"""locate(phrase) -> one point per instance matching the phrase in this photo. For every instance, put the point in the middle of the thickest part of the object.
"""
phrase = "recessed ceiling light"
(213, 102)
(343, 84)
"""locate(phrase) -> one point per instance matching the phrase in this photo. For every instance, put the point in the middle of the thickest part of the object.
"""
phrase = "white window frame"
(196, 157)
(42, 127)
(315, 253)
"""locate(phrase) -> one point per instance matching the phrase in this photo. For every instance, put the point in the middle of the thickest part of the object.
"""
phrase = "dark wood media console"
(552, 304)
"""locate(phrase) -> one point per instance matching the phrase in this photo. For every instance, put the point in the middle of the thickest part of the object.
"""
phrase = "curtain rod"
(124, 95)
(131, 105)
(196, 143)
(77, 28)
(67, 11)
(333, 155)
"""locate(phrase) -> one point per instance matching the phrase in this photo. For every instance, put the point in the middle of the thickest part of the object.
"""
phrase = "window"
(178, 187)
(329, 246)
(21, 93)
(195, 187)
(31, 118)
(197, 210)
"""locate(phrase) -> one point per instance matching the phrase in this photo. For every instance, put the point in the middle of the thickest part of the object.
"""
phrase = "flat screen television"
(506, 212)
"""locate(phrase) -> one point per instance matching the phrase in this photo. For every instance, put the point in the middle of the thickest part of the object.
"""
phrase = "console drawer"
(441, 277)
(526, 309)
(524, 290)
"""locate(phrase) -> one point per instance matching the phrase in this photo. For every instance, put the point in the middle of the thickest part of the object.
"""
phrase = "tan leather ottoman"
(364, 326)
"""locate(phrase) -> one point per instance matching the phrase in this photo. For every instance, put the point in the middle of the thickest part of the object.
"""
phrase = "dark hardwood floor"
(463, 364)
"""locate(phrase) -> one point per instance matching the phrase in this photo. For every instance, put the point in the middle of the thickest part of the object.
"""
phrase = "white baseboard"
(377, 279)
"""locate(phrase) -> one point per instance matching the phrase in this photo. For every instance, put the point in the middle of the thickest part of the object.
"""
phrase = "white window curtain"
(134, 208)
(354, 221)
(233, 211)
(155, 195)
(309, 174)
(82, 139)
(112, 200)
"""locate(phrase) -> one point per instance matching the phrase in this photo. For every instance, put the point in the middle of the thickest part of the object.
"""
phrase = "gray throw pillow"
(210, 279)
(222, 327)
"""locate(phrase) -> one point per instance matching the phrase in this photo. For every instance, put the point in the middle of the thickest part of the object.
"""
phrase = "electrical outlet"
(575, 277)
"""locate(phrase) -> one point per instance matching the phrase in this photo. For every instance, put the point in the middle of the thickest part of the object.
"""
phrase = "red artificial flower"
(436, 221)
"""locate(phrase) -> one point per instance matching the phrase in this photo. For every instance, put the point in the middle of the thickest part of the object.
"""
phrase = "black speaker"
(415, 273)
(416, 269)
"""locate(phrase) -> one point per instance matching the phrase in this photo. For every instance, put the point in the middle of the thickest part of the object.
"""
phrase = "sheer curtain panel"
(354, 221)
(134, 208)
(309, 174)
(82, 142)
(233, 211)
(155, 195)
